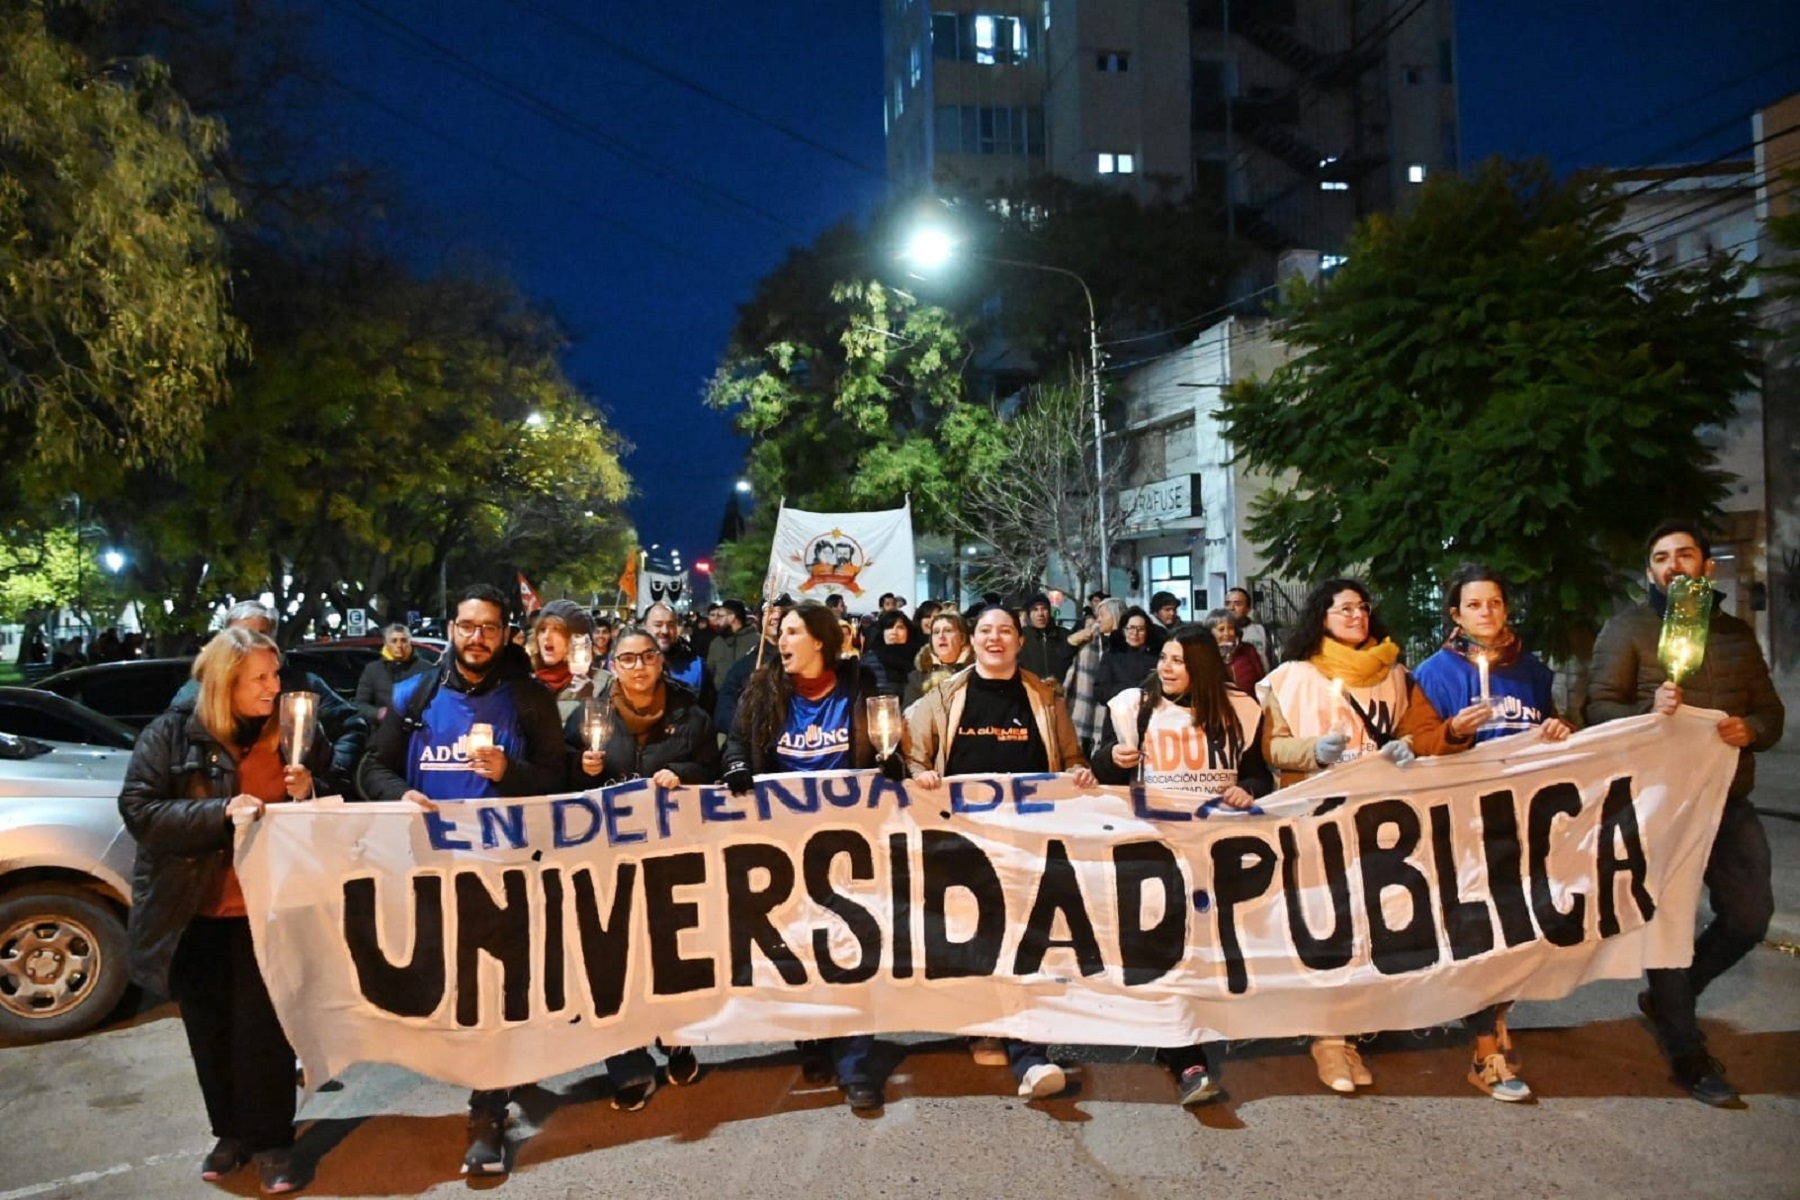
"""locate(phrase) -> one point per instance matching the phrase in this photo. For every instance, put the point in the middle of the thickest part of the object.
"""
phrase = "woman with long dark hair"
(203, 766)
(1191, 731)
(656, 730)
(892, 648)
(1476, 604)
(1340, 693)
(804, 710)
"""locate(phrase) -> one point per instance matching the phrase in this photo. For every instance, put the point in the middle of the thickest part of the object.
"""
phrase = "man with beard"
(423, 752)
(1627, 680)
(680, 661)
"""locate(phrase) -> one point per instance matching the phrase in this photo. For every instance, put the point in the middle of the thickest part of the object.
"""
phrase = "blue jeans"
(1743, 901)
(1022, 1056)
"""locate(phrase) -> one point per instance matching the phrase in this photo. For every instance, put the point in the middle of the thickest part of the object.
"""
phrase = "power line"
(1689, 102)
(560, 117)
(584, 202)
(592, 36)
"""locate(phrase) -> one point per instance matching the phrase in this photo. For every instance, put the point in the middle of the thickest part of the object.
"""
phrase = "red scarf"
(555, 678)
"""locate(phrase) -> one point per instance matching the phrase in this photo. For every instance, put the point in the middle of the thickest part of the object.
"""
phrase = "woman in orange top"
(201, 768)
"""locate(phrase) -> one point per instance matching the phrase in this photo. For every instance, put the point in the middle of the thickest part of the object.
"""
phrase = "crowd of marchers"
(1210, 707)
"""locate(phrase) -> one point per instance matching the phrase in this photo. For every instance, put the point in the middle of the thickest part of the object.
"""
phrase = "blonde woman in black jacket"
(199, 769)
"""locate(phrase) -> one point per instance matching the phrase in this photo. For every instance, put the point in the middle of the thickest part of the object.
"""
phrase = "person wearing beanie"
(553, 633)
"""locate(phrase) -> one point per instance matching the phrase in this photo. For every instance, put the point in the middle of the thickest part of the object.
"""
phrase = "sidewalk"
(1777, 799)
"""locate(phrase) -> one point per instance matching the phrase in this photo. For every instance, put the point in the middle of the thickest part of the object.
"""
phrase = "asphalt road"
(117, 1113)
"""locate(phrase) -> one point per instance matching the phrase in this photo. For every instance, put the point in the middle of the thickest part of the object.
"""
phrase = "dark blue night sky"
(644, 211)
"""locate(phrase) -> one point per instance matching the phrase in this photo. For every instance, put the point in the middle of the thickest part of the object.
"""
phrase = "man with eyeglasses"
(680, 661)
(424, 752)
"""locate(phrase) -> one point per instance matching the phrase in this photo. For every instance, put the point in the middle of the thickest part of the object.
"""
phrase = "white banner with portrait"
(495, 943)
(857, 555)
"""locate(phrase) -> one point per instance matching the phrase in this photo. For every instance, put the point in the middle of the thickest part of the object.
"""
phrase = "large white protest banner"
(496, 943)
(860, 555)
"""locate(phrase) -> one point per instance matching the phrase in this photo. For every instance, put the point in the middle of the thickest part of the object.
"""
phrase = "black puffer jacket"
(684, 743)
(173, 804)
(1733, 678)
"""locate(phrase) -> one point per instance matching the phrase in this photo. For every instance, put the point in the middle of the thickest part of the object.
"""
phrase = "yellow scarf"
(1364, 666)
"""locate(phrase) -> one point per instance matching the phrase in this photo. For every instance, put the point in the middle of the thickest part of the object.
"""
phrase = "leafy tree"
(1039, 514)
(1494, 376)
(414, 431)
(851, 405)
(114, 324)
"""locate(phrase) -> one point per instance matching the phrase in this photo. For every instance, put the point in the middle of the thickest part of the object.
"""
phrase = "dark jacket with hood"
(684, 742)
(173, 804)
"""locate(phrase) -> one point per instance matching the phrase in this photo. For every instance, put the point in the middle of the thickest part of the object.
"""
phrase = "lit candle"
(1481, 666)
(1338, 706)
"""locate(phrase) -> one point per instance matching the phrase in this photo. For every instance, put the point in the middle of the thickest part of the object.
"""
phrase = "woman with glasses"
(1130, 655)
(805, 710)
(1340, 693)
(943, 656)
(646, 726)
(1190, 731)
(1475, 600)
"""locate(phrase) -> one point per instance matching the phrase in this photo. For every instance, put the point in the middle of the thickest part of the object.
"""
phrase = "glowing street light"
(931, 247)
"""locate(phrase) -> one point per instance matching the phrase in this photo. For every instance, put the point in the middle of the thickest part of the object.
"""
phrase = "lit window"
(984, 39)
(1117, 164)
(899, 98)
(1106, 164)
(1330, 185)
(1415, 173)
(1046, 14)
(917, 66)
(1127, 164)
(1328, 261)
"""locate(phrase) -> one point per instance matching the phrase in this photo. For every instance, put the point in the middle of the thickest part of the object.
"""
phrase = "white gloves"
(1398, 753)
(1330, 748)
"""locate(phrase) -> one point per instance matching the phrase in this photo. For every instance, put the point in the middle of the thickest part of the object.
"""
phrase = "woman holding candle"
(1482, 662)
(1340, 693)
(202, 767)
(561, 647)
(642, 725)
(1190, 731)
(806, 709)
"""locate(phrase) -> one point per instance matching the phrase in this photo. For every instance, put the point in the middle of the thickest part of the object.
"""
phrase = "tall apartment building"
(1289, 119)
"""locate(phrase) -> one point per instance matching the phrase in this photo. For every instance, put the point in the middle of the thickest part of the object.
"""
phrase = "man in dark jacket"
(1047, 652)
(736, 634)
(1626, 680)
(423, 752)
(344, 726)
(725, 711)
(400, 660)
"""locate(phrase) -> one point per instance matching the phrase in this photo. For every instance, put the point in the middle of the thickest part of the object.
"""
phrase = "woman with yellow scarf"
(1341, 693)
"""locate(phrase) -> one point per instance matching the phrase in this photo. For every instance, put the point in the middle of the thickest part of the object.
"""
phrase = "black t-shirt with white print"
(996, 734)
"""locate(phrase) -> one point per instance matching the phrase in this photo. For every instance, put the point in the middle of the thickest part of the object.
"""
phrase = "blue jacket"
(1520, 692)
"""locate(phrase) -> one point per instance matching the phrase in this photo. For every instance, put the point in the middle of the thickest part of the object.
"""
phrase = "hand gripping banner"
(492, 944)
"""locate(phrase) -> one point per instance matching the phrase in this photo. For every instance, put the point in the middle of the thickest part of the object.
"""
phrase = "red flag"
(528, 595)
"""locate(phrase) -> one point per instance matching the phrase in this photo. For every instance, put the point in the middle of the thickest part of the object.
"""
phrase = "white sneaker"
(1332, 1057)
(1493, 1076)
(1359, 1071)
(1043, 1081)
(988, 1051)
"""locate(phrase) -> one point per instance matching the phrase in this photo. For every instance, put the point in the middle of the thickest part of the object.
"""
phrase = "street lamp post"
(932, 247)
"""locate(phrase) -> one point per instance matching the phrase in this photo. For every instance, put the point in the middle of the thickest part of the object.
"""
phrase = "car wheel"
(62, 962)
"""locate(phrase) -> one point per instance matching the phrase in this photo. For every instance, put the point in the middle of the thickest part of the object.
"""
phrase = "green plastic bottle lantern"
(1682, 647)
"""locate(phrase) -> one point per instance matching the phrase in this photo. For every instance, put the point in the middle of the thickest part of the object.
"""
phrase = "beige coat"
(932, 720)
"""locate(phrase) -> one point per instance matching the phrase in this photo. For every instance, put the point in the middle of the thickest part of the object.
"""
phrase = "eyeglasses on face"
(643, 658)
(1351, 611)
(482, 629)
